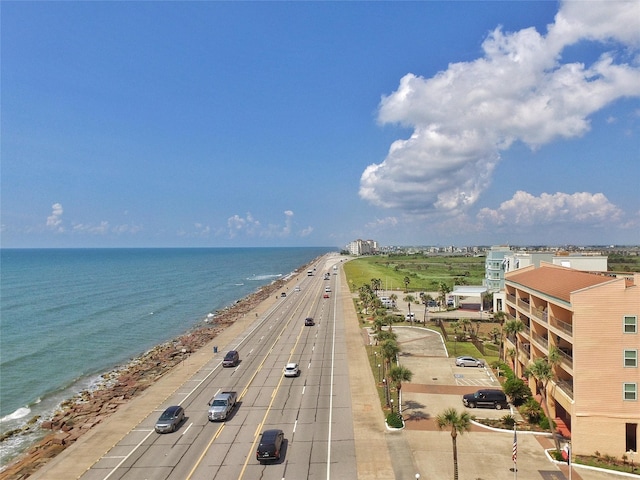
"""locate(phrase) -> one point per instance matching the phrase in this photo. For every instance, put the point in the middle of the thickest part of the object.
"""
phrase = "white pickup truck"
(221, 405)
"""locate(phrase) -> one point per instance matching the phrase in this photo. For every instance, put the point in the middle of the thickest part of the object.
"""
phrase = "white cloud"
(54, 221)
(249, 226)
(383, 223)
(524, 210)
(462, 118)
(237, 224)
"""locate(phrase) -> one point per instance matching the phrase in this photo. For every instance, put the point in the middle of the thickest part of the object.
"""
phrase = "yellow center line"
(215, 435)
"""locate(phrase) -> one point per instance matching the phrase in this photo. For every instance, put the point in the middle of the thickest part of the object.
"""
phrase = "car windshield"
(167, 416)
(219, 403)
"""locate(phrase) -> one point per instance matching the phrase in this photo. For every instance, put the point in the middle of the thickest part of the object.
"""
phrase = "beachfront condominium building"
(362, 247)
(591, 320)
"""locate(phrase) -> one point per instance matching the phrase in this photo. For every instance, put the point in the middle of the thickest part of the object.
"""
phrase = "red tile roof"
(557, 282)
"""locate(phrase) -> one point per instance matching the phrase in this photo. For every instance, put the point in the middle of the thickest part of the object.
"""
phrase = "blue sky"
(142, 124)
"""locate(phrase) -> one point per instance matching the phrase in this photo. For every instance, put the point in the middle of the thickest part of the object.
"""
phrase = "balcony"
(566, 386)
(540, 340)
(562, 325)
(539, 315)
(566, 357)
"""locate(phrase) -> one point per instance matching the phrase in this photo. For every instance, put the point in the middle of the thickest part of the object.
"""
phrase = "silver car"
(170, 419)
(292, 370)
(469, 362)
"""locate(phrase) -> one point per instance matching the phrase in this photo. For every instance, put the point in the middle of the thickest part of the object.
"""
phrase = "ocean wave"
(264, 277)
(19, 413)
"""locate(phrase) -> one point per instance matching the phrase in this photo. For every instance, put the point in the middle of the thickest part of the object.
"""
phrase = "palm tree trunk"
(455, 457)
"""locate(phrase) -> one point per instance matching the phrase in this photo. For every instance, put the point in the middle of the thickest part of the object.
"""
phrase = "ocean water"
(69, 315)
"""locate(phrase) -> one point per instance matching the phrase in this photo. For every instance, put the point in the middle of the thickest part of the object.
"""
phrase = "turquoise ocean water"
(69, 315)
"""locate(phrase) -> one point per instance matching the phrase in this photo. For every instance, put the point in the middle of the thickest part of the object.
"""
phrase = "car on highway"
(467, 361)
(270, 446)
(231, 359)
(291, 370)
(486, 398)
(326, 295)
(308, 322)
(170, 419)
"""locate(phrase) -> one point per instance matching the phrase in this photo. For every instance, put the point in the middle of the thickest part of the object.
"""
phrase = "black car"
(308, 322)
(270, 445)
(170, 419)
(231, 359)
(486, 398)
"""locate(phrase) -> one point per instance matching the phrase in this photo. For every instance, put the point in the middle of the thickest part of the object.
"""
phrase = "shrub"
(544, 422)
(518, 391)
(394, 420)
(508, 420)
(532, 410)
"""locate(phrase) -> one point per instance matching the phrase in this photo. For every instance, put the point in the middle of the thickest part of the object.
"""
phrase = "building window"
(630, 358)
(630, 391)
(631, 324)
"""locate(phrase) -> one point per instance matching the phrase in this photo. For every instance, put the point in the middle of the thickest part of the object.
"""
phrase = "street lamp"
(392, 405)
(417, 476)
(379, 372)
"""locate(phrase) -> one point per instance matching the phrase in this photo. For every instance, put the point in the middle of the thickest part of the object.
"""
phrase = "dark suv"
(308, 322)
(231, 359)
(270, 445)
(486, 398)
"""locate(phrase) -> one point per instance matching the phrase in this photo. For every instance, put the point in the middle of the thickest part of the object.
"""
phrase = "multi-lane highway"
(313, 410)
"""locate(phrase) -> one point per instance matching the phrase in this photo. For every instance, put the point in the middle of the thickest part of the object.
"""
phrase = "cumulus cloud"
(524, 210)
(237, 224)
(54, 221)
(462, 118)
(249, 226)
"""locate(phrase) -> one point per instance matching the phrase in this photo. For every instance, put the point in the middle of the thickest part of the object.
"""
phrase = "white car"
(291, 370)
(469, 362)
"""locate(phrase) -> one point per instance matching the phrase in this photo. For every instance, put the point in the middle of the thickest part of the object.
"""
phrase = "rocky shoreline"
(89, 408)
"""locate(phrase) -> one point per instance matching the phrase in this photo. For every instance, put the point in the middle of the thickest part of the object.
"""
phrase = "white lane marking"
(187, 429)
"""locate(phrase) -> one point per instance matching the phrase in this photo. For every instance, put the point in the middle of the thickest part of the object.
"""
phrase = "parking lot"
(483, 453)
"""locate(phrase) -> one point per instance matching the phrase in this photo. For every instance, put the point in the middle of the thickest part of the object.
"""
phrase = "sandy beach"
(141, 377)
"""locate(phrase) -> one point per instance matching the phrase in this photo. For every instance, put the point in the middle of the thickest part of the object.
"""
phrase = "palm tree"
(500, 317)
(409, 299)
(542, 370)
(458, 423)
(406, 281)
(425, 298)
(400, 374)
(513, 327)
(389, 349)
(443, 291)
(394, 298)
(376, 284)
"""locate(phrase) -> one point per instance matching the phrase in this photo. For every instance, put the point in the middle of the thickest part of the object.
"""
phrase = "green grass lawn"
(425, 273)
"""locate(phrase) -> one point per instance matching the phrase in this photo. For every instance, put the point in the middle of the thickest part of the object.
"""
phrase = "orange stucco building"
(592, 319)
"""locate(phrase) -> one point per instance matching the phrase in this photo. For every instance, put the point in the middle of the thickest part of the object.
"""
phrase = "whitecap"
(265, 276)
(19, 413)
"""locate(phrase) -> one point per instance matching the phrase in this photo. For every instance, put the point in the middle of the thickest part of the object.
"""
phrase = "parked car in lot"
(291, 370)
(270, 445)
(491, 398)
(308, 322)
(170, 419)
(231, 359)
(469, 362)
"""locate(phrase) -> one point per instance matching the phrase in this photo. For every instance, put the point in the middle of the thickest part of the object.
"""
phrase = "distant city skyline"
(214, 124)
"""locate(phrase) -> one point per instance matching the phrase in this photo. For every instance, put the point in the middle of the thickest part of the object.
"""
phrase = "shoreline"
(117, 387)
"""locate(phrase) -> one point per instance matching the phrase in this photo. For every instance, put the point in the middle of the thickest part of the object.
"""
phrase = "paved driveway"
(483, 454)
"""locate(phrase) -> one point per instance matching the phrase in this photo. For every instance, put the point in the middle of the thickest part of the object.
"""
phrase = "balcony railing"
(562, 325)
(565, 357)
(566, 386)
(540, 340)
(539, 314)
(524, 305)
